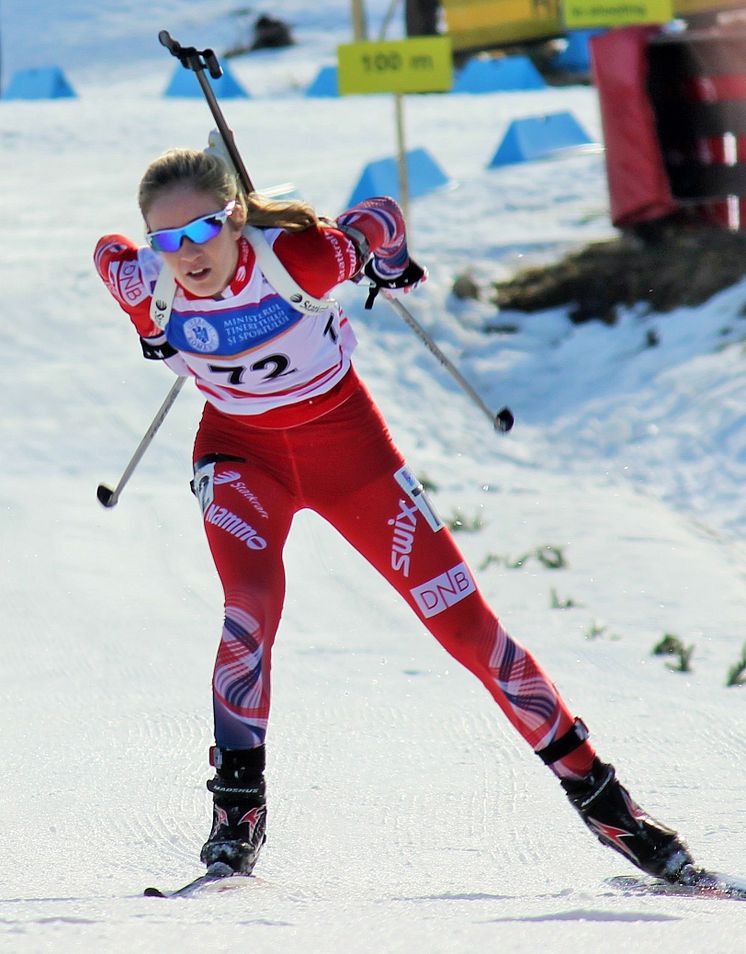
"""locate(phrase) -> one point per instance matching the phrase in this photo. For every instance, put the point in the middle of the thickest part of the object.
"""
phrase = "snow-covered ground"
(405, 815)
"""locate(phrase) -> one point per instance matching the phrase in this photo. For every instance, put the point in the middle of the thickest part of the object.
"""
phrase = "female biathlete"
(231, 290)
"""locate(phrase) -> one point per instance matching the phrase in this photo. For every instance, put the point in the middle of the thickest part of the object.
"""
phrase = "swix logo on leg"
(445, 590)
(405, 526)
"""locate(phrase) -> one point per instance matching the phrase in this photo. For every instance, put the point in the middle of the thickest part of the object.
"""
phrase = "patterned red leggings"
(345, 467)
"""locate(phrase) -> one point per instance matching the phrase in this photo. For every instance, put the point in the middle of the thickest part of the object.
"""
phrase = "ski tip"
(218, 876)
(696, 882)
(714, 881)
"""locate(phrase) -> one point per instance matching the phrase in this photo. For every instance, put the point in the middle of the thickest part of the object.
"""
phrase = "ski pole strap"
(571, 740)
(279, 277)
(373, 291)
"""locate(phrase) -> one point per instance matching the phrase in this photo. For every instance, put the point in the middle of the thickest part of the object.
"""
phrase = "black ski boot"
(239, 809)
(608, 810)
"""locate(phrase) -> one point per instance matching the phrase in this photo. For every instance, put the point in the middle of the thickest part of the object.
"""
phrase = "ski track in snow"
(404, 814)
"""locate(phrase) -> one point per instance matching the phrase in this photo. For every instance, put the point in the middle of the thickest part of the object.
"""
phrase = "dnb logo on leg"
(443, 591)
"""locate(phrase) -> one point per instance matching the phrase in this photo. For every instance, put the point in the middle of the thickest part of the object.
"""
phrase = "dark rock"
(666, 268)
(270, 33)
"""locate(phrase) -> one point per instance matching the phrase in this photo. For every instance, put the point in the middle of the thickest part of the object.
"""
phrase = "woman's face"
(204, 270)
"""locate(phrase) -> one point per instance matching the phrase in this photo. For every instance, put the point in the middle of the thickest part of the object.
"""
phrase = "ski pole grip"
(165, 39)
(190, 57)
(211, 62)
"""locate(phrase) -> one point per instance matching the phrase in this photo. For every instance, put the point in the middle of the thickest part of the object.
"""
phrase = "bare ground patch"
(670, 268)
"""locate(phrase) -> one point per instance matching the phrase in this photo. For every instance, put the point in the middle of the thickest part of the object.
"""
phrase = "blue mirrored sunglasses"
(199, 231)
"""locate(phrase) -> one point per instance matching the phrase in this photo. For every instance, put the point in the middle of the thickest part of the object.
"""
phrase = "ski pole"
(108, 497)
(198, 61)
(503, 420)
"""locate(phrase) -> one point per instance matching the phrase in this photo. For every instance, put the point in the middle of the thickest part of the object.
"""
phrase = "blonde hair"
(206, 172)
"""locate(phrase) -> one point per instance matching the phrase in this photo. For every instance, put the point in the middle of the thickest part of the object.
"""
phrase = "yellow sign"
(615, 13)
(482, 24)
(486, 24)
(418, 65)
(703, 6)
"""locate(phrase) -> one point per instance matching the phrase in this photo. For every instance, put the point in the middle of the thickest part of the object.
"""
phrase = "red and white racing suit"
(288, 425)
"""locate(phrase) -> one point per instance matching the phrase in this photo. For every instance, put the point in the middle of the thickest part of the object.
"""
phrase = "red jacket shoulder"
(318, 258)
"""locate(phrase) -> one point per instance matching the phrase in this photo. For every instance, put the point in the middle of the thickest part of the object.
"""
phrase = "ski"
(695, 883)
(219, 876)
